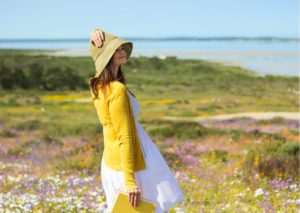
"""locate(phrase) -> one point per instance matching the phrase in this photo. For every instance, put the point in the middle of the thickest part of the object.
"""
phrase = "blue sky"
(155, 18)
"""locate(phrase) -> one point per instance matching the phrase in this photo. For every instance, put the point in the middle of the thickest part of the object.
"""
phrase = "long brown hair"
(105, 77)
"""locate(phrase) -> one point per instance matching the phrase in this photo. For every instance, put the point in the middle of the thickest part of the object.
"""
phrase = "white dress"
(157, 182)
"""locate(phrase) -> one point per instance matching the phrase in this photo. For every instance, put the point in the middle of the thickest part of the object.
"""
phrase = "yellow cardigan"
(122, 148)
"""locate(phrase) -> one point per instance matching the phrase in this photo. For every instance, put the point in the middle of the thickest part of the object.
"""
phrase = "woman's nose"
(123, 52)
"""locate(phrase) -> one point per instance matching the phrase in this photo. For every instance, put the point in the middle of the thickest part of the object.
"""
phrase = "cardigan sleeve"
(120, 117)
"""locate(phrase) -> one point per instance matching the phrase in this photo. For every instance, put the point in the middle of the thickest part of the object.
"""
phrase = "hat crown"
(102, 55)
(95, 52)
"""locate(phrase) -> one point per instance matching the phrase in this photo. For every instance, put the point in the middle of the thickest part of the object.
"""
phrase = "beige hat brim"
(103, 59)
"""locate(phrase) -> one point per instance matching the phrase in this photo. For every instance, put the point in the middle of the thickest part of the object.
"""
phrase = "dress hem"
(175, 201)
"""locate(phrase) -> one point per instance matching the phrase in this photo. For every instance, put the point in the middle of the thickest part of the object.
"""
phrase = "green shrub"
(16, 151)
(13, 102)
(7, 133)
(29, 125)
(221, 154)
(274, 158)
(180, 130)
(20, 79)
(6, 77)
(52, 140)
(67, 129)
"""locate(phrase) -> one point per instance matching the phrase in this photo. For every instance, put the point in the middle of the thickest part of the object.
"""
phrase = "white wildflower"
(259, 192)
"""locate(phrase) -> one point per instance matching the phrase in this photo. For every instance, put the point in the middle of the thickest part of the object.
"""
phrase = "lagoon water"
(265, 56)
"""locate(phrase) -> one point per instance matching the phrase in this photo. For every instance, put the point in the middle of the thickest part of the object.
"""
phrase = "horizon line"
(174, 38)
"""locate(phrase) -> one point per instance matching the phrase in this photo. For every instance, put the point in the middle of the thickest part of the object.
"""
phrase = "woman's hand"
(134, 197)
(97, 37)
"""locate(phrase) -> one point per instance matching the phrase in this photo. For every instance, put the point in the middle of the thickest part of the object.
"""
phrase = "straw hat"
(102, 55)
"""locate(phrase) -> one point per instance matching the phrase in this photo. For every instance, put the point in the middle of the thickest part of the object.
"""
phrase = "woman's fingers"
(137, 200)
(130, 197)
(97, 37)
(93, 38)
(134, 197)
(101, 35)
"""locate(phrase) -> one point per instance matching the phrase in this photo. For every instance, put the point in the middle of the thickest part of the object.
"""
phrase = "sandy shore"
(278, 63)
(186, 54)
(255, 115)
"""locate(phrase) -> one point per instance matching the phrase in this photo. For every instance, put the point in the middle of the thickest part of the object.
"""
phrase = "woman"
(131, 162)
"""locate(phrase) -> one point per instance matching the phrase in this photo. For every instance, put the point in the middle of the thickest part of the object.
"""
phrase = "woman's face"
(119, 56)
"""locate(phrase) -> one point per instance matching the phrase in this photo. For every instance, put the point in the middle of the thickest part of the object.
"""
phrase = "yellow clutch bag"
(122, 205)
